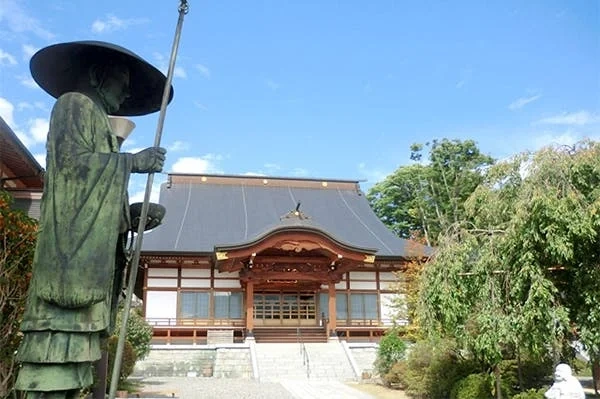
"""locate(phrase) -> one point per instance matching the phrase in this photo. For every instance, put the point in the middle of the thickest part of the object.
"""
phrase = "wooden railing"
(172, 330)
(193, 331)
(180, 322)
(165, 322)
(366, 323)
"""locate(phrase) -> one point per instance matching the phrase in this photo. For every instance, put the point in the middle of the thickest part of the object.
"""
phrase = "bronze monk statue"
(78, 260)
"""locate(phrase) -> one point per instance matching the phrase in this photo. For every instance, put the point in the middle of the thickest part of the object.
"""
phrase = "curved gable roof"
(294, 225)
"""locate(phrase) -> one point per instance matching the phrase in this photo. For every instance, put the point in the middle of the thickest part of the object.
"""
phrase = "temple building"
(20, 173)
(269, 258)
(263, 257)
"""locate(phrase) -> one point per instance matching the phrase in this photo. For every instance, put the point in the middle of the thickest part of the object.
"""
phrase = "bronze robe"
(82, 215)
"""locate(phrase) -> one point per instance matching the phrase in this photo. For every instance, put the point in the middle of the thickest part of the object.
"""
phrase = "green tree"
(425, 198)
(17, 245)
(518, 275)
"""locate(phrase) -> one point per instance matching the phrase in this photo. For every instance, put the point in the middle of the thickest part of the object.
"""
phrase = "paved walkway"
(323, 389)
(220, 388)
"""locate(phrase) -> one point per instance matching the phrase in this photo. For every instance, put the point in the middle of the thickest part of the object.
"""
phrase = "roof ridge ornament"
(295, 214)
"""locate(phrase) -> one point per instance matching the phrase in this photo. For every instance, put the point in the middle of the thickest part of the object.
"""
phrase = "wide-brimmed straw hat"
(59, 67)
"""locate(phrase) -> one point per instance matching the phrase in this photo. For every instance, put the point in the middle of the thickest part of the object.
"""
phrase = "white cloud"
(179, 72)
(163, 66)
(41, 158)
(271, 84)
(204, 164)
(549, 138)
(6, 58)
(113, 23)
(24, 138)
(465, 76)
(6, 112)
(299, 172)
(41, 105)
(178, 146)
(98, 26)
(38, 129)
(579, 118)
(28, 81)
(19, 21)
(129, 143)
(36, 105)
(272, 166)
(200, 106)
(28, 51)
(566, 138)
(373, 175)
(214, 157)
(523, 101)
(24, 105)
(139, 182)
(271, 169)
(134, 150)
(203, 70)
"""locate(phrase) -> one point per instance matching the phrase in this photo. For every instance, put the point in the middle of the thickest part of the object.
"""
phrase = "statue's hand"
(149, 160)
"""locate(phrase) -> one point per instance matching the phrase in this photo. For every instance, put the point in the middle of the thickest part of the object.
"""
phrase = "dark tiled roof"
(236, 210)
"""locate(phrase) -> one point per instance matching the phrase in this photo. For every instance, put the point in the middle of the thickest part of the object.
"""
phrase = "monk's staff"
(133, 268)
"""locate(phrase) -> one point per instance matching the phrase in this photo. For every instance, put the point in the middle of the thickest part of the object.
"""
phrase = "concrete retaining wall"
(225, 361)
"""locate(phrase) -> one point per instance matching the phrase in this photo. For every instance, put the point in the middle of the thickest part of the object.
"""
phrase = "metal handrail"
(303, 352)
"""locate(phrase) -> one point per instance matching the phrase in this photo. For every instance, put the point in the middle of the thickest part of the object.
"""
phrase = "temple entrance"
(285, 309)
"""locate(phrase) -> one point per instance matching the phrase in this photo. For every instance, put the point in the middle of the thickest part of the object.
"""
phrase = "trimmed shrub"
(536, 374)
(395, 375)
(432, 369)
(531, 394)
(127, 364)
(391, 351)
(473, 386)
(139, 332)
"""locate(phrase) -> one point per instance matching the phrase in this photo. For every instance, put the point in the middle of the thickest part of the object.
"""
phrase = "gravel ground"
(221, 388)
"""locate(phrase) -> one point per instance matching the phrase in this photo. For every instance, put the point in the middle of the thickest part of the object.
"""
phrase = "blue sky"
(333, 89)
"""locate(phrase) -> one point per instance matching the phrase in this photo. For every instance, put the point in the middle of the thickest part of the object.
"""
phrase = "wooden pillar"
(249, 307)
(145, 291)
(99, 390)
(332, 315)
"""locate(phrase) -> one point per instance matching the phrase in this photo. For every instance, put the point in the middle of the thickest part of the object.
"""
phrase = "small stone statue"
(78, 262)
(565, 385)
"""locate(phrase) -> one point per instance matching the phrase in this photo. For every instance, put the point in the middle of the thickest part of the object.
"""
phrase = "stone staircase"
(279, 361)
(329, 361)
(284, 361)
(274, 362)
